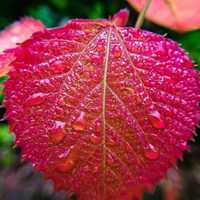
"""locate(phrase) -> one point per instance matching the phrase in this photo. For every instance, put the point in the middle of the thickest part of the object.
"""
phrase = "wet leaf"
(178, 15)
(102, 110)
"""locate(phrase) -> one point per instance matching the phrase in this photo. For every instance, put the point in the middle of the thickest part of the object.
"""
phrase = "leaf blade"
(93, 98)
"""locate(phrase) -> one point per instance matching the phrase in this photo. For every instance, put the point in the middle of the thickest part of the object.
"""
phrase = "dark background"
(17, 179)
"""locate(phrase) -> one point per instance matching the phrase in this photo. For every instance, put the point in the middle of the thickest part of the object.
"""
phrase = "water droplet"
(61, 102)
(57, 132)
(75, 135)
(68, 161)
(161, 49)
(110, 160)
(98, 127)
(65, 154)
(96, 58)
(150, 152)
(58, 66)
(95, 78)
(129, 149)
(36, 99)
(188, 62)
(85, 168)
(65, 167)
(122, 85)
(80, 122)
(86, 74)
(156, 120)
(184, 146)
(117, 52)
(100, 48)
(94, 139)
(122, 75)
(95, 170)
(111, 142)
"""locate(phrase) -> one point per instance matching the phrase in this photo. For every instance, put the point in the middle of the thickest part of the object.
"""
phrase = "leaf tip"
(120, 19)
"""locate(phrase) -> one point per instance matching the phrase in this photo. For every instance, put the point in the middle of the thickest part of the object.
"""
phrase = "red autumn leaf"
(179, 15)
(104, 111)
(16, 33)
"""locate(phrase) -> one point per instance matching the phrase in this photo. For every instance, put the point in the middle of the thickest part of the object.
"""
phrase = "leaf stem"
(141, 16)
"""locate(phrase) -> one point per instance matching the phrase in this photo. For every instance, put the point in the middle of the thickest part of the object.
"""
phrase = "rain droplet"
(80, 122)
(75, 135)
(122, 75)
(95, 170)
(61, 102)
(98, 127)
(96, 58)
(57, 133)
(95, 78)
(150, 152)
(100, 48)
(85, 168)
(58, 66)
(156, 120)
(188, 62)
(111, 142)
(110, 160)
(129, 149)
(94, 139)
(122, 85)
(184, 146)
(69, 161)
(117, 52)
(161, 49)
(36, 99)
(65, 167)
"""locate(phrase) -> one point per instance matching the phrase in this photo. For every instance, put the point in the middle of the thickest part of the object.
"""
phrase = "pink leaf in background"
(16, 33)
(180, 15)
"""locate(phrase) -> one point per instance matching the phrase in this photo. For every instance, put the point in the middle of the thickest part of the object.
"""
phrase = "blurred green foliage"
(7, 156)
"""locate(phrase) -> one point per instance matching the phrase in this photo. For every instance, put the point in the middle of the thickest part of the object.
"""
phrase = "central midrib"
(104, 110)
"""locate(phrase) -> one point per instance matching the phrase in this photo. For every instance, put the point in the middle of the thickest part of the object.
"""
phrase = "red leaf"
(179, 15)
(102, 110)
(16, 33)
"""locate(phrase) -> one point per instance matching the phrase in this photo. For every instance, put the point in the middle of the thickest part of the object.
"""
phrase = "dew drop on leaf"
(57, 67)
(184, 146)
(80, 122)
(111, 141)
(110, 160)
(150, 152)
(122, 85)
(96, 58)
(156, 120)
(95, 170)
(75, 135)
(117, 52)
(161, 49)
(94, 139)
(85, 168)
(100, 48)
(36, 99)
(95, 78)
(58, 132)
(98, 127)
(66, 166)
(68, 160)
(188, 62)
